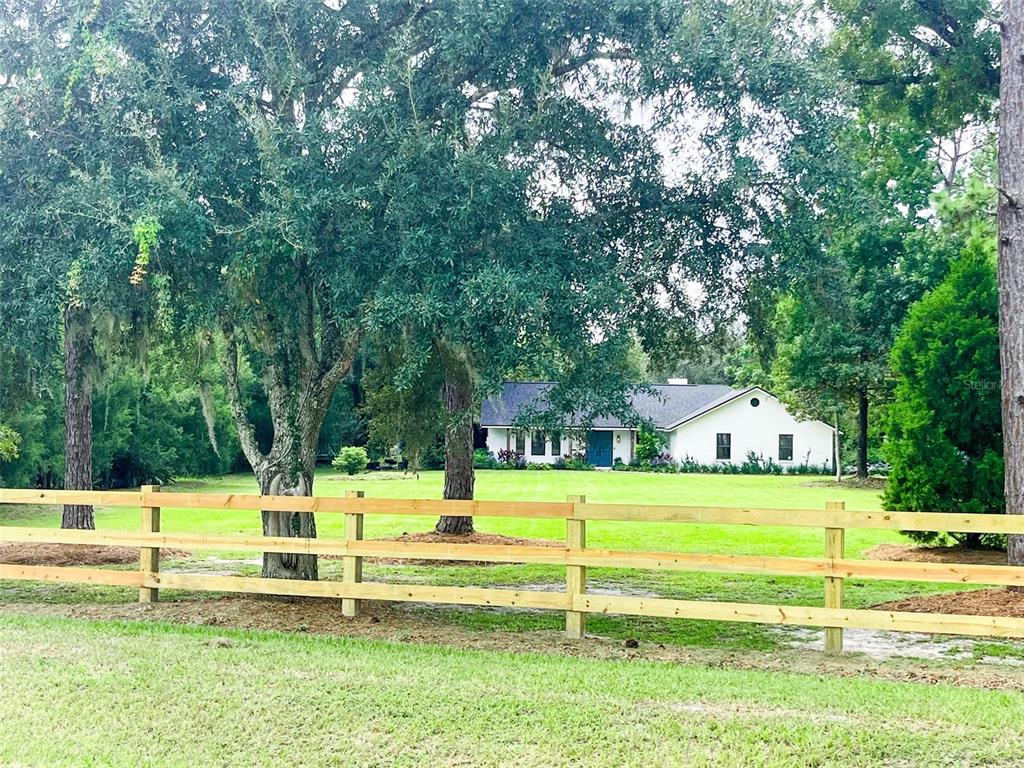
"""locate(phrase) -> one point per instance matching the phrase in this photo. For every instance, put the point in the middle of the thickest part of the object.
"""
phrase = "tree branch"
(246, 431)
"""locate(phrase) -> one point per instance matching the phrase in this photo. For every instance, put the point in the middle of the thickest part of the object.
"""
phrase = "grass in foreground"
(84, 693)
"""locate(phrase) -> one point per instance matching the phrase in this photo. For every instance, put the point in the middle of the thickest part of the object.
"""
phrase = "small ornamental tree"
(649, 444)
(944, 426)
(351, 459)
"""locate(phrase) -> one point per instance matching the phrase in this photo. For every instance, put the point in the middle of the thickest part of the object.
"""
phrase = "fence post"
(352, 565)
(149, 557)
(575, 575)
(835, 544)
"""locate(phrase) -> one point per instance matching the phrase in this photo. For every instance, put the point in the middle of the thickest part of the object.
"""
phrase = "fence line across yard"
(833, 567)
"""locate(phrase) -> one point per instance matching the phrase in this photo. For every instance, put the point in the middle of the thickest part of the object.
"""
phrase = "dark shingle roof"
(670, 403)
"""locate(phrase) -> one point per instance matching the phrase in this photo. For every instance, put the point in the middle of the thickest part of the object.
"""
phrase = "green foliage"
(9, 442)
(936, 62)
(649, 444)
(351, 459)
(575, 463)
(945, 428)
(484, 459)
(753, 464)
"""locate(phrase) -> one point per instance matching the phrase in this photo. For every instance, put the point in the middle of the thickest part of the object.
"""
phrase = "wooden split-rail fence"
(577, 603)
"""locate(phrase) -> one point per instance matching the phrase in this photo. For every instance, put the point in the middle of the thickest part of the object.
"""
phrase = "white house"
(704, 422)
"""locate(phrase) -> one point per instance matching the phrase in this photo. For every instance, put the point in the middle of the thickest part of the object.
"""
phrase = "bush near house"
(351, 459)
(484, 459)
(753, 464)
(650, 447)
(576, 462)
(508, 459)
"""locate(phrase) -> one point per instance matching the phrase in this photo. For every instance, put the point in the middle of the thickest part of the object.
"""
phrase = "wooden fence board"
(803, 518)
(74, 575)
(575, 556)
(948, 624)
(515, 598)
(910, 521)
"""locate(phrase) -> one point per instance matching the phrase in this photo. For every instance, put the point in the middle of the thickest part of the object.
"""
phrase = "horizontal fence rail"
(575, 556)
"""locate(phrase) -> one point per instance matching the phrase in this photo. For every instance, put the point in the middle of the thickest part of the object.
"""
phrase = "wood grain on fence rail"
(760, 565)
(575, 556)
(664, 513)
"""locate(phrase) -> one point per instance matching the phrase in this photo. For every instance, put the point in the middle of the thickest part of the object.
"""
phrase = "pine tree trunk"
(837, 450)
(862, 437)
(78, 360)
(459, 475)
(1011, 260)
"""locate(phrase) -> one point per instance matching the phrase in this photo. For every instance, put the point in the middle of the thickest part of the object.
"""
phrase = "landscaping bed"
(976, 602)
(75, 554)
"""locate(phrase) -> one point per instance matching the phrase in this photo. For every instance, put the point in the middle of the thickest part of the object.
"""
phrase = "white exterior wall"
(498, 439)
(752, 429)
(621, 446)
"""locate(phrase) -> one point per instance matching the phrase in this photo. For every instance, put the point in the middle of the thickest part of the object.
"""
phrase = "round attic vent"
(754, 402)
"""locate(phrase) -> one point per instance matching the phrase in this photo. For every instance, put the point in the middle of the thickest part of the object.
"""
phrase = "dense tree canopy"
(944, 426)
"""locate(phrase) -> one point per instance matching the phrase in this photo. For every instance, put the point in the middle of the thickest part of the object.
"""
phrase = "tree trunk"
(280, 481)
(78, 361)
(459, 475)
(862, 437)
(837, 451)
(297, 408)
(1011, 261)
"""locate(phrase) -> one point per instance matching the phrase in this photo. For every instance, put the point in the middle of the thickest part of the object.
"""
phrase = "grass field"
(732, 490)
(106, 694)
(77, 688)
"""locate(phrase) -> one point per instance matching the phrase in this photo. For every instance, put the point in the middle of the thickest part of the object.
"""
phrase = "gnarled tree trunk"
(1011, 260)
(79, 357)
(459, 475)
(283, 481)
(298, 395)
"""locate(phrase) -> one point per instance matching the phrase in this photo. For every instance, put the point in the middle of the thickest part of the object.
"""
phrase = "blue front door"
(599, 449)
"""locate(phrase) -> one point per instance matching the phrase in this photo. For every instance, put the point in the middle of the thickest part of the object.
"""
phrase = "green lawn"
(76, 693)
(609, 487)
(725, 490)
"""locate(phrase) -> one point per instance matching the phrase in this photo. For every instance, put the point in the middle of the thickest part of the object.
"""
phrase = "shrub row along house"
(702, 423)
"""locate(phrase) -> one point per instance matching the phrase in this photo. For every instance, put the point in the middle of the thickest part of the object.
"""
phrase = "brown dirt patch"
(447, 538)
(979, 602)
(907, 553)
(399, 623)
(75, 554)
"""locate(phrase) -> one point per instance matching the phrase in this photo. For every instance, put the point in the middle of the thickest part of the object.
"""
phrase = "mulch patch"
(978, 602)
(75, 554)
(913, 554)
(430, 537)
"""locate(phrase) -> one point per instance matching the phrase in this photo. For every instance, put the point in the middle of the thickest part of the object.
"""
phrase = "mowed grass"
(603, 487)
(98, 693)
(612, 487)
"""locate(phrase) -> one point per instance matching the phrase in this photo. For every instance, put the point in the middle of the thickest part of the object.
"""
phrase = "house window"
(723, 446)
(537, 444)
(785, 447)
(520, 443)
(556, 443)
